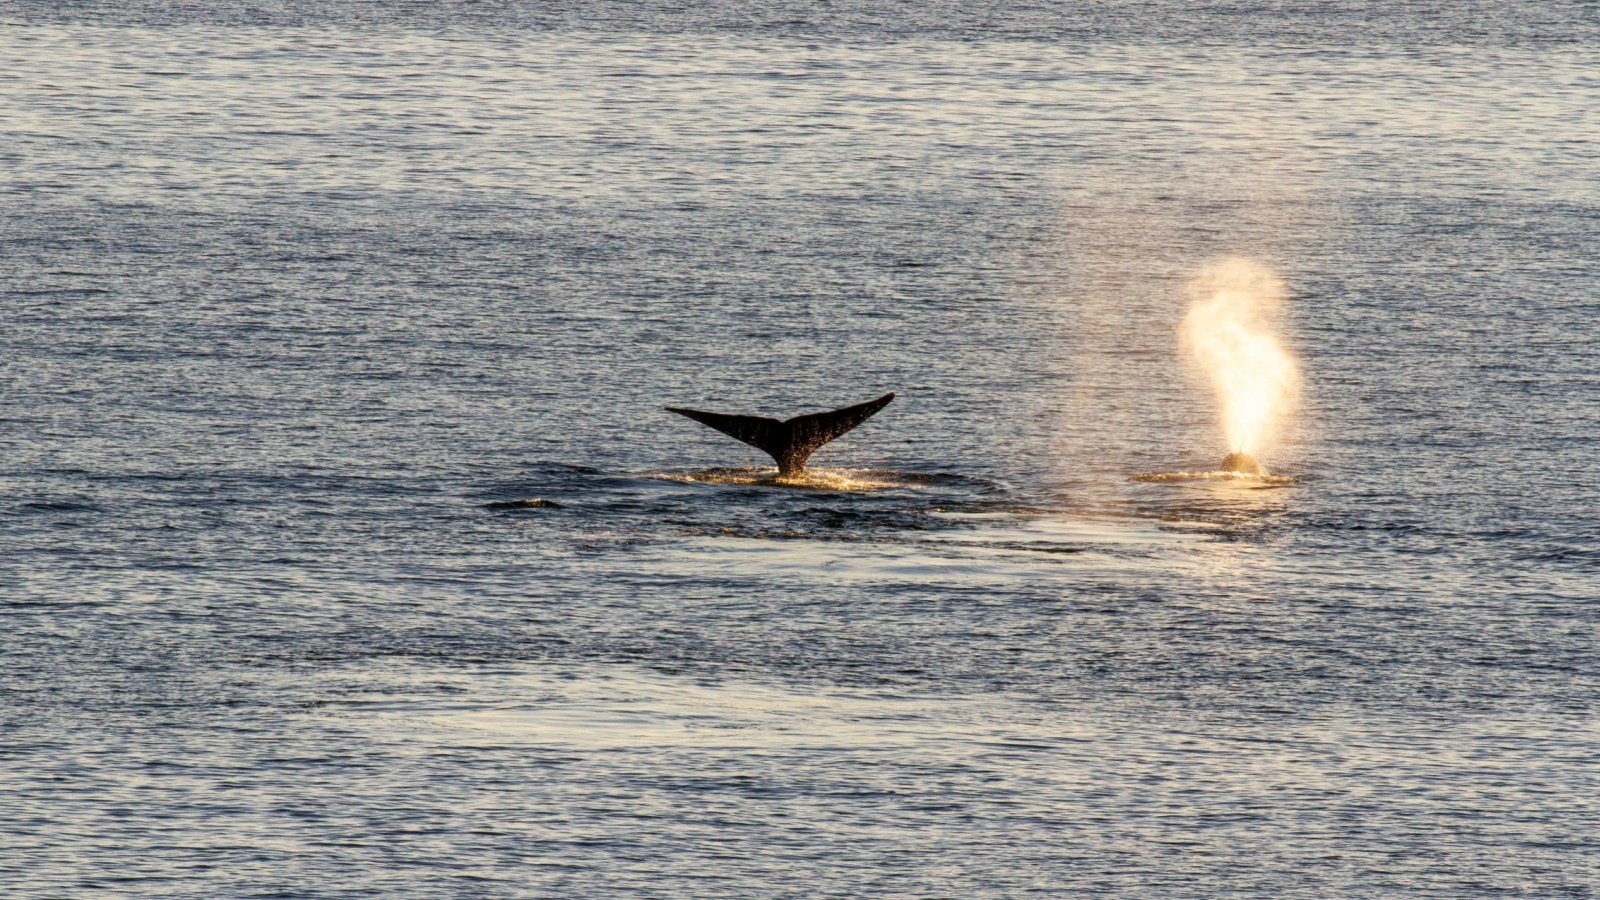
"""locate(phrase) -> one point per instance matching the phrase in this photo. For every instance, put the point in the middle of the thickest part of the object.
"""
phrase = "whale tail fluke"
(792, 441)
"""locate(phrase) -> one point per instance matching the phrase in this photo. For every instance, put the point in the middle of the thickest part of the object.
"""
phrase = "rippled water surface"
(297, 298)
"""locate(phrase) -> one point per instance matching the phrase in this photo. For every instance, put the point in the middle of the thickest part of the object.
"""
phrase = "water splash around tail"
(814, 478)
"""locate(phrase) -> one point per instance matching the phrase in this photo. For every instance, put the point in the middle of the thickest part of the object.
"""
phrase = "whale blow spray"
(1231, 333)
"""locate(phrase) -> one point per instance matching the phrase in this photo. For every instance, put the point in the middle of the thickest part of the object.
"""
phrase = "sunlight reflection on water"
(813, 478)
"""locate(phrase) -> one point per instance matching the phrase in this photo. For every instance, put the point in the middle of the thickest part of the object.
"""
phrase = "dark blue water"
(291, 292)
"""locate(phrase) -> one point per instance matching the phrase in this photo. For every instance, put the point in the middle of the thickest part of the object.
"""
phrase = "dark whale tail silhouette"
(791, 441)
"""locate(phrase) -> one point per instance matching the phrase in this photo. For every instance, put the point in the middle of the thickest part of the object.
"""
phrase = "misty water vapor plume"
(1232, 333)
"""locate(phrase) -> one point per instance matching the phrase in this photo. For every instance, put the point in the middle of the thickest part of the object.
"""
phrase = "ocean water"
(292, 292)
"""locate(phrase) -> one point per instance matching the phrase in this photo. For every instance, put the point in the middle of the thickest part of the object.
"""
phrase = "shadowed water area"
(300, 299)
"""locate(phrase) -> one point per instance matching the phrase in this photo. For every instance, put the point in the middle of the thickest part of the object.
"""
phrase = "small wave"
(59, 506)
(531, 503)
(1174, 477)
(810, 479)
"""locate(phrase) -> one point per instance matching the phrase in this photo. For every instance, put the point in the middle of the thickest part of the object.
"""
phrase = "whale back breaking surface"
(789, 442)
(1243, 464)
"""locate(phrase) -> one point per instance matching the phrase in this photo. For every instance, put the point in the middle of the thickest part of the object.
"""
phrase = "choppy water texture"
(295, 293)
